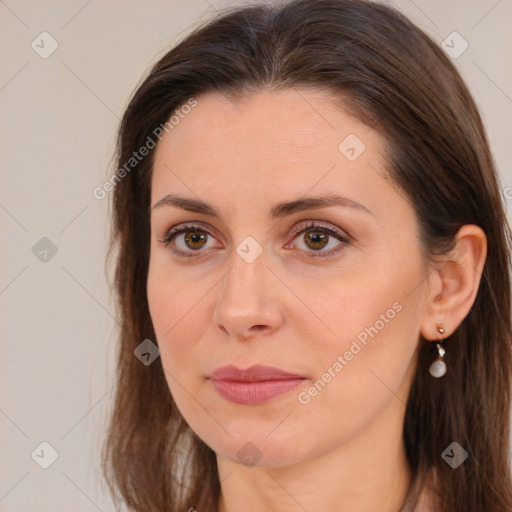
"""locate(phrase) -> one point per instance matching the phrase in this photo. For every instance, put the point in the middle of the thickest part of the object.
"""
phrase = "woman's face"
(338, 305)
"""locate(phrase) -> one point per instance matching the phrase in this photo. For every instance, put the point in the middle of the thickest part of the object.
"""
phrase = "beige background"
(59, 119)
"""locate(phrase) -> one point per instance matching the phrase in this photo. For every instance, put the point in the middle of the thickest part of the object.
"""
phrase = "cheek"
(171, 296)
(364, 334)
(176, 320)
(177, 313)
(358, 305)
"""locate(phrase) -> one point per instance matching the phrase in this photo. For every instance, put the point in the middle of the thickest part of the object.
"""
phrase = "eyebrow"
(278, 211)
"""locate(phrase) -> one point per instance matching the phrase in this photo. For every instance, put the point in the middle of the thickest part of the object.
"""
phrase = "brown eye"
(316, 239)
(187, 240)
(195, 239)
(313, 238)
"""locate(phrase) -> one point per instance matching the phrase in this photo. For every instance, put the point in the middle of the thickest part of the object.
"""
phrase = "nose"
(248, 304)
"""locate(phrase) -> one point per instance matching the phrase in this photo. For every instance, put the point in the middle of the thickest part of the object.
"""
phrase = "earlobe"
(458, 275)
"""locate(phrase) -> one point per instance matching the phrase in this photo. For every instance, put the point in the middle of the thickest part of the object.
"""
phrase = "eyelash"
(311, 225)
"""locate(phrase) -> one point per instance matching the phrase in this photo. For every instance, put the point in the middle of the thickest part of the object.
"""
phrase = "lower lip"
(253, 393)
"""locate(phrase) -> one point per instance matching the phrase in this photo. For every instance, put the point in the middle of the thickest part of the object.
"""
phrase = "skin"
(343, 450)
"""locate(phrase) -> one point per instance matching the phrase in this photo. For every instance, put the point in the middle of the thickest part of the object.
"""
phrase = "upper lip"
(256, 373)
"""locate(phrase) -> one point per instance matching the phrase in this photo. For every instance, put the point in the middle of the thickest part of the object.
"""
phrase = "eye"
(188, 238)
(317, 237)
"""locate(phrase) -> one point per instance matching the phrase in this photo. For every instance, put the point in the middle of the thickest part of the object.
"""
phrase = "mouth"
(255, 385)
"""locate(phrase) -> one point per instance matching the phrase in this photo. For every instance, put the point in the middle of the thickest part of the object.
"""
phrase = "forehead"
(266, 145)
(268, 124)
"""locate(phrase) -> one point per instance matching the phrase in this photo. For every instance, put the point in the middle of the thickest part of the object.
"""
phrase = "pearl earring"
(438, 367)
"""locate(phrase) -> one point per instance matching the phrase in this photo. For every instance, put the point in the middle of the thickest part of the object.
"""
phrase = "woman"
(308, 225)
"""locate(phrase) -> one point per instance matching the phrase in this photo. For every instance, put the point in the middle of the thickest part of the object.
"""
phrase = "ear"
(454, 282)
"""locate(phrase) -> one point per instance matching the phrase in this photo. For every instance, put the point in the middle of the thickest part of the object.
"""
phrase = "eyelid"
(182, 226)
(319, 224)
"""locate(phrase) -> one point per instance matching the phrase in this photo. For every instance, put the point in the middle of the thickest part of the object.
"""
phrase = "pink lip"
(254, 385)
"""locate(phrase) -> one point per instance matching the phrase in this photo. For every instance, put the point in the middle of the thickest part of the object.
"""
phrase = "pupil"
(318, 240)
(194, 237)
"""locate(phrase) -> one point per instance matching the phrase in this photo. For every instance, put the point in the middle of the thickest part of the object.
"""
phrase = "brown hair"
(399, 81)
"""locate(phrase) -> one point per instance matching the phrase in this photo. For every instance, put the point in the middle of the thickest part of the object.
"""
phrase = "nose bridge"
(245, 298)
(244, 286)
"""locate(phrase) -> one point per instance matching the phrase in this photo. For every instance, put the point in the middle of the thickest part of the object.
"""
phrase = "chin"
(260, 454)
(255, 447)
